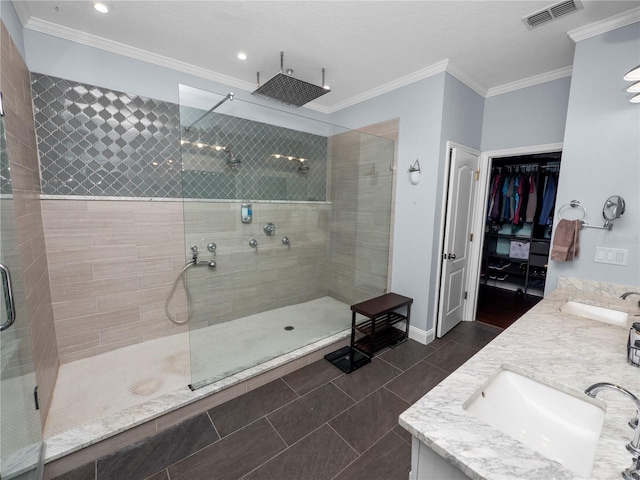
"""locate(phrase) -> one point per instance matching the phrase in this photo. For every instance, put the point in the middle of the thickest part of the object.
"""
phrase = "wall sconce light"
(633, 75)
(414, 172)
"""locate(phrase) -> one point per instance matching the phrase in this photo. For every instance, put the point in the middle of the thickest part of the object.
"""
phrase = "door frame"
(486, 159)
(443, 220)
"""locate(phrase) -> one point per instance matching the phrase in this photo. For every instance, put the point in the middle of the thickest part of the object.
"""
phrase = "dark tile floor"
(316, 423)
(501, 307)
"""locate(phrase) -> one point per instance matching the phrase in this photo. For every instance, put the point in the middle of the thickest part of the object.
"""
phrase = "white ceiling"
(366, 47)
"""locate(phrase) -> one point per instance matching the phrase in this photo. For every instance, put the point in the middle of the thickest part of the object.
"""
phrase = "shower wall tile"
(98, 142)
(132, 251)
(23, 204)
(361, 192)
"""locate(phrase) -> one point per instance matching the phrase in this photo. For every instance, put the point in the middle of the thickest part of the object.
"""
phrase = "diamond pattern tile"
(94, 141)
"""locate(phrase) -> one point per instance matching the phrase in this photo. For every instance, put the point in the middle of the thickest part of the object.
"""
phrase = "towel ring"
(573, 204)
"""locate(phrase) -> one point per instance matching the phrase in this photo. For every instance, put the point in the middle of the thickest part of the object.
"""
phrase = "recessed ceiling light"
(242, 56)
(101, 7)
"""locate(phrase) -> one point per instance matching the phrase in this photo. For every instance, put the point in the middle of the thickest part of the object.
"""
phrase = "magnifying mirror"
(613, 208)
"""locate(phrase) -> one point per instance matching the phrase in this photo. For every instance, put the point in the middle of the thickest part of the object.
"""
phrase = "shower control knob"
(269, 229)
(212, 247)
(253, 243)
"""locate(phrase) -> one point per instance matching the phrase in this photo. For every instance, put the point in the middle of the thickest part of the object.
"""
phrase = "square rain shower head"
(287, 89)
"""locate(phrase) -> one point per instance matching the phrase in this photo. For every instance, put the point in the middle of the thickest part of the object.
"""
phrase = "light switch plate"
(613, 256)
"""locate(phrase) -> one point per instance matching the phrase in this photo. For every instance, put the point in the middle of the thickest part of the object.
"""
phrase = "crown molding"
(597, 28)
(102, 43)
(465, 78)
(530, 82)
(393, 85)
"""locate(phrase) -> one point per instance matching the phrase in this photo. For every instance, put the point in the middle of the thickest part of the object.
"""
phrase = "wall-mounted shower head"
(232, 161)
(303, 167)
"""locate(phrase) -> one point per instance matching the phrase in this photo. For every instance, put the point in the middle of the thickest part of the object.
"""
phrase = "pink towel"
(566, 241)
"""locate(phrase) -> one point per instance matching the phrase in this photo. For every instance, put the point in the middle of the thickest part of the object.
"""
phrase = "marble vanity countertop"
(547, 343)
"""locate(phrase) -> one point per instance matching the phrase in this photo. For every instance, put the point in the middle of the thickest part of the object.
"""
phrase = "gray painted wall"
(431, 111)
(12, 22)
(530, 116)
(601, 154)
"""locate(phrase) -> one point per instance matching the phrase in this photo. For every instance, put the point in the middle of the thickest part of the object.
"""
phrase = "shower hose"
(181, 277)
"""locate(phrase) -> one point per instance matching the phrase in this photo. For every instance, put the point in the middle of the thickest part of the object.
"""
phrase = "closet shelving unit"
(515, 256)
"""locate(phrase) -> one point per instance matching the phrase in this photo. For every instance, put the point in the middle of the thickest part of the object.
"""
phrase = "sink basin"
(559, 425)
(606, 315)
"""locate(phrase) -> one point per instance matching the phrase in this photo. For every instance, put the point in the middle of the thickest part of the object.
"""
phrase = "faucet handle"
(633, 472)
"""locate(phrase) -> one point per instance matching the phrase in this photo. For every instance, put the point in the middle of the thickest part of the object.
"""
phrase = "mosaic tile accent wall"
(98, 142)
(94, 141)
(219, 138)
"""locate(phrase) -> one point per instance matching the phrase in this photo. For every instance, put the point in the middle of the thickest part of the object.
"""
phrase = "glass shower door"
(21, 445)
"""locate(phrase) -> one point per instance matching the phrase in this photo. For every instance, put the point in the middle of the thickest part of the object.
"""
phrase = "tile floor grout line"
(277, 432)
(396, 395)
(359, 454)
(286, 447)
(393, 430)
(345, 440)
(213, 425)
(356, 401)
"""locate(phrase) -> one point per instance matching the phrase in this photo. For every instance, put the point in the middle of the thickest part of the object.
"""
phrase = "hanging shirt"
(532, 202)
(548, 200)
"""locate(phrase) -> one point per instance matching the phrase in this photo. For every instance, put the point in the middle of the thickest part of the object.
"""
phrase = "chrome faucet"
(633, 472)
(626, 294)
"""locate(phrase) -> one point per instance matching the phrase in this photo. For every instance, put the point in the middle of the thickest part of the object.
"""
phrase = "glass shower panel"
(271, 292)
(21, 446)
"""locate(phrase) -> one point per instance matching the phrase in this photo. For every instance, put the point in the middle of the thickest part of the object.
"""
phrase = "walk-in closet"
(517, 236)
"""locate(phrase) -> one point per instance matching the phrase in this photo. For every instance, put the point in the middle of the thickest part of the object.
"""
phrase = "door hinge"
(465, 295)
(35, 397)
(471, 237)
(478, 174)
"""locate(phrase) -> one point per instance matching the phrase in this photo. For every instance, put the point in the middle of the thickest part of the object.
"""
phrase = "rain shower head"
(285, 88)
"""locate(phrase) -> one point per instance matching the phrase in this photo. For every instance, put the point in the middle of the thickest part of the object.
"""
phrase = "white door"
(457, 238)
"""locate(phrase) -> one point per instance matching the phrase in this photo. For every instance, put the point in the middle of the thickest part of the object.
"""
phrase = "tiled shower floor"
(126, 379)
(315, 423)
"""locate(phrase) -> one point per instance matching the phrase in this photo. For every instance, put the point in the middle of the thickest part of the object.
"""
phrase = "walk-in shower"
(335, 218)
(327, 190)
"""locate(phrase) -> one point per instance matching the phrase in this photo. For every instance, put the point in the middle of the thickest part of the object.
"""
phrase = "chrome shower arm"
(228, 97)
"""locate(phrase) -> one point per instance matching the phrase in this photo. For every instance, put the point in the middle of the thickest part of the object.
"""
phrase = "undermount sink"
(557, 424)
(606, 315)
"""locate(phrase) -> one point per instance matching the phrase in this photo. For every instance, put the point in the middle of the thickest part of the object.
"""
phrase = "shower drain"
(146, 386)
(288, 327)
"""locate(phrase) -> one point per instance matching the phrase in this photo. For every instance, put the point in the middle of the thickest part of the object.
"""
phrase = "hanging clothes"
(494, 205)
(548, 201)
(532, 202)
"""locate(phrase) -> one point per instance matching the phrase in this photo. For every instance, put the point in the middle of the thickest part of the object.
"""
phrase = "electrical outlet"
(612, 256)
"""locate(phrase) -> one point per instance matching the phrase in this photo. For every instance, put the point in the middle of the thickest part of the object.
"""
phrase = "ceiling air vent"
(551, 13)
